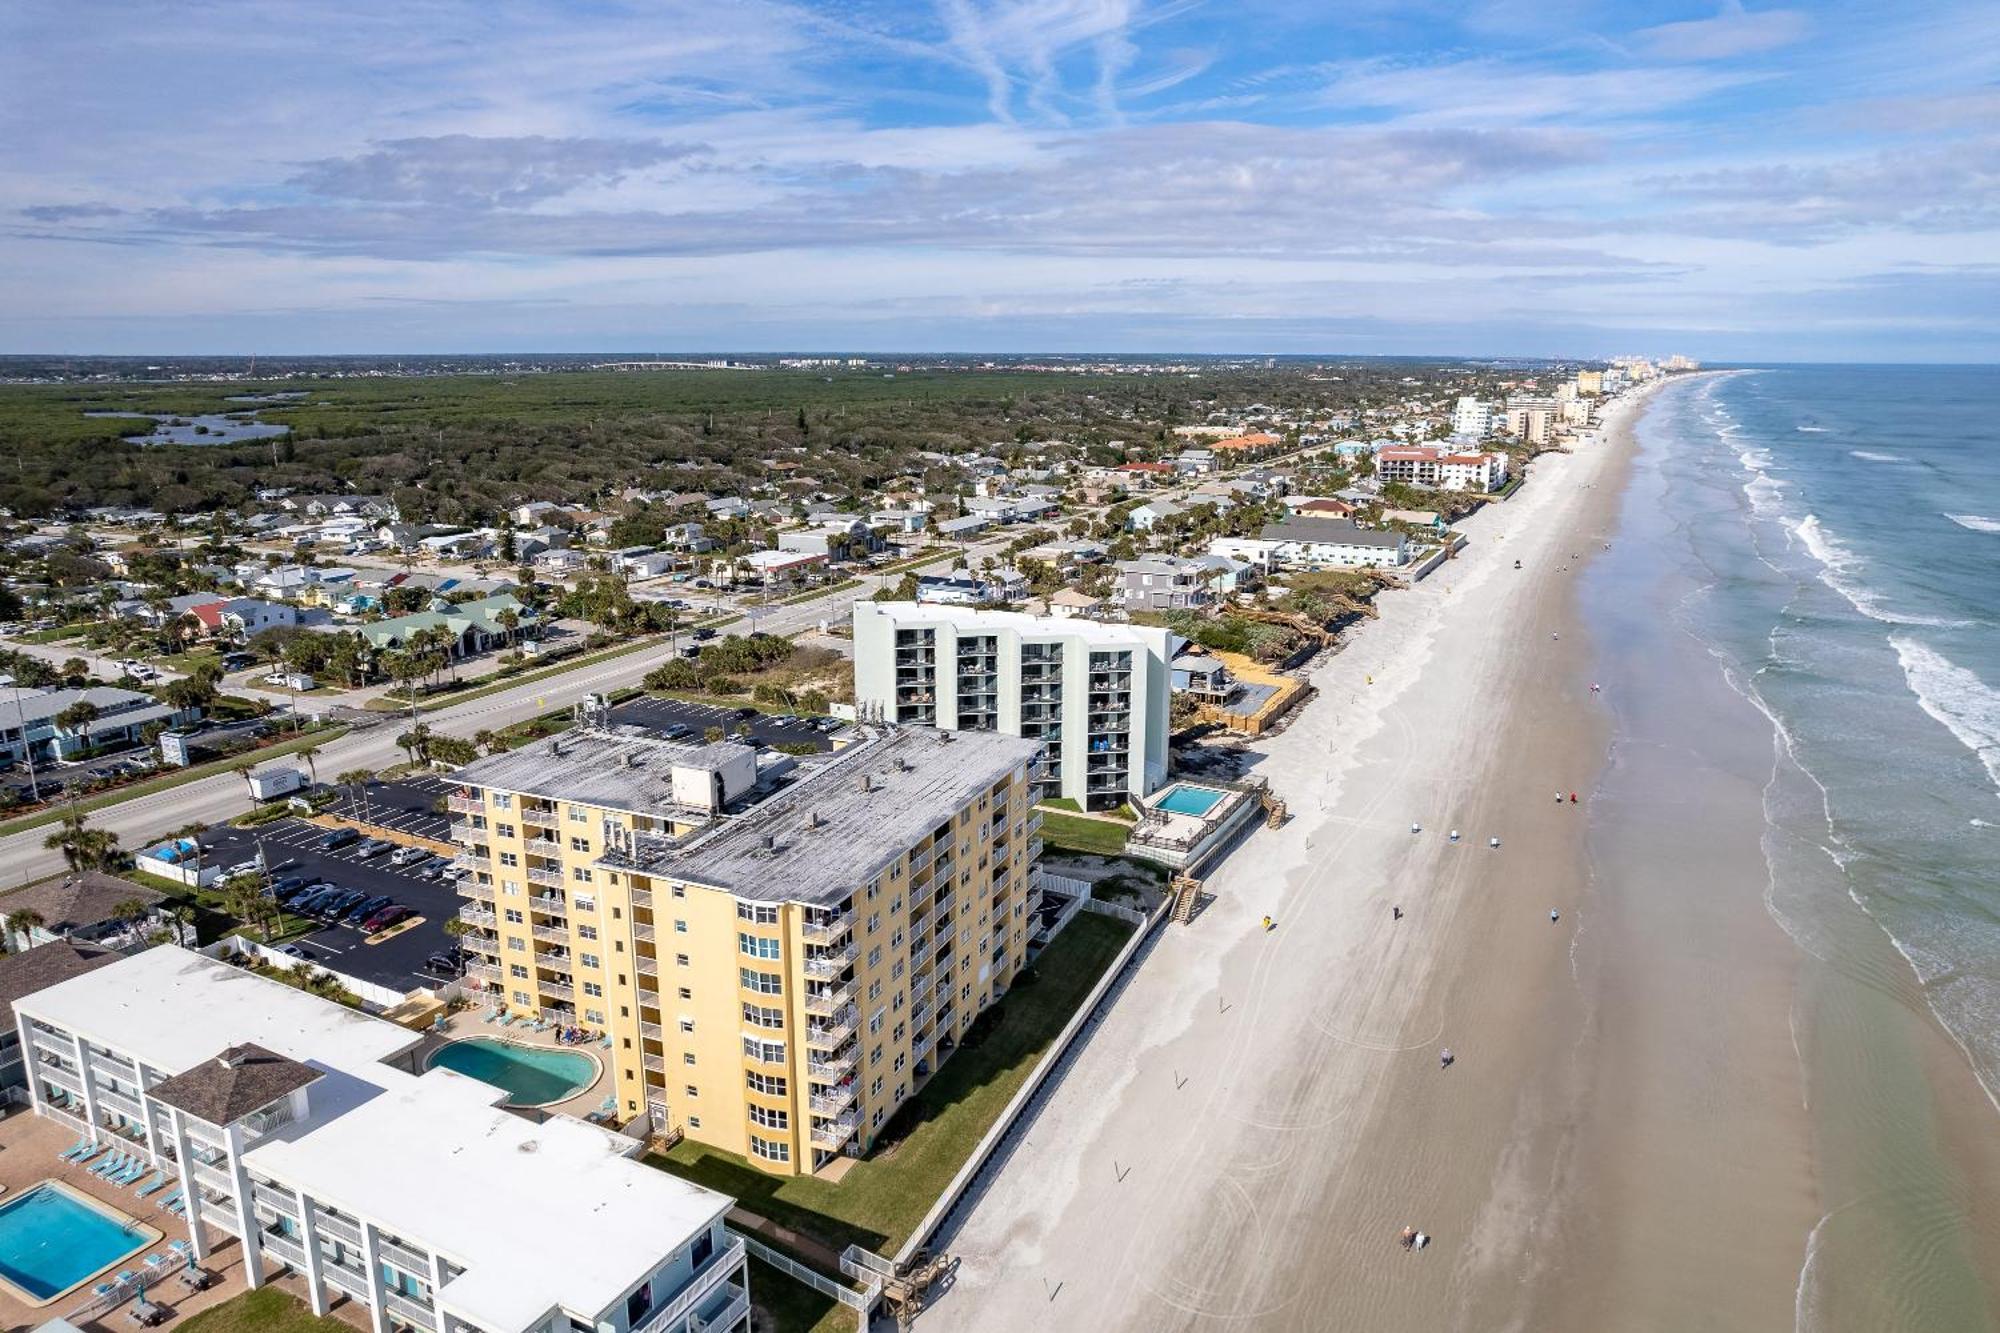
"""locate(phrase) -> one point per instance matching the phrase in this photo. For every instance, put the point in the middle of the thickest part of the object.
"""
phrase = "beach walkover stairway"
(1171, 833)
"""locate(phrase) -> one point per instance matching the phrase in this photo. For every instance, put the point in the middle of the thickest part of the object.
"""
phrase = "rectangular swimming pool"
(53, 1240)
(1181, 799)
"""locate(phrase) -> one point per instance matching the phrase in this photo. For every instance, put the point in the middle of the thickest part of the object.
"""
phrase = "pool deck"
(29, 1150)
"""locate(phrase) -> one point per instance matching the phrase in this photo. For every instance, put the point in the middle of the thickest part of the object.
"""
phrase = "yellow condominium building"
(780, 951)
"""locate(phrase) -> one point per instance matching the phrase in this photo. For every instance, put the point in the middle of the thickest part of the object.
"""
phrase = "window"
(764, 1052)
(512, 886)
(694, 1122)
(770, 1118)
(593, 990)
(680, 927)
(757, 1016)
(875, 1088)
(687, 992)
(687, 1057)
(514, 916)
(585, 903)
(504, 830)
(522, 997)
(875, 958)
(901, 1029)
(509, 859)
(693, 1091)
(900, 1057)
(594, 1016)
(687, 1025)
(517, 971)
(680, 891)
(771, 1085)
(764, 983)
(771, 1150)
(516, 942)
(581, 874)
(874, 922)
(579, 844)
(874, 990)
(578, 815)
(502, 800)
(764, 914)
(756, 946)
(588, 960)
(586, 932)
(681, 960)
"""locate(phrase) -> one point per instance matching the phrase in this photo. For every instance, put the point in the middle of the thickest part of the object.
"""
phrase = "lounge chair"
(606, 1043)
(140, 1166)
(110, 1162)
(158, 1182)
(171, 1202)
(74, 1150)
(180, 1246)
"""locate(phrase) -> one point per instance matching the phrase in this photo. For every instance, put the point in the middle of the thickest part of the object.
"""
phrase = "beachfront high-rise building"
(1473, 418)
(1095, 696)
(313, 1136)
(1532, 419)
(1590, 383)
(781, 953)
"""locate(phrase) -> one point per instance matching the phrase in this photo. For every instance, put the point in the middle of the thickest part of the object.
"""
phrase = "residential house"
(1162, 583)
(472, 627)
(1147, 516)
(782, 566)
(1197, 461)
(962, 529)
(86, 908)
(1065, 603)
(1321, 543)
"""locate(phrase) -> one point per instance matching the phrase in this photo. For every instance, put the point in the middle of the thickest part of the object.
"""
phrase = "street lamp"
(27, 748)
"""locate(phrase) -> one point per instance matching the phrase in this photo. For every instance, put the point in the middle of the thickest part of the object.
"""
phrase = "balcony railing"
(478, 916)
(484, 971)
(831, 963)
(831, 1001)
(836, 1066)
(548, 879)
(465, 805)
(833, 1031)
(552, 904)
(550, 934)
(561, 990)
(829, 929)
(835, 1132)
(834, 1102)
(472, 861)
(669, 1317)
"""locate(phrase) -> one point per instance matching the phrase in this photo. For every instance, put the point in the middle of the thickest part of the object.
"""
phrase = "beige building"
(780, 952)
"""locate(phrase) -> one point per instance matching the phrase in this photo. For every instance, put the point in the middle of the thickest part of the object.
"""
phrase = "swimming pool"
(53, 1240)
(1181, 799)
(529, 1075)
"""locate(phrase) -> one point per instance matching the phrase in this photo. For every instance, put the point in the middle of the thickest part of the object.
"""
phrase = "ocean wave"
(1764, 491)
(1875, 457)
(1976, 522)
(1839, 568)
(1812, 430)
(1967, 706)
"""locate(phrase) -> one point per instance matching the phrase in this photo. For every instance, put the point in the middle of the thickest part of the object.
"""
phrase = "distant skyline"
(1285, 177)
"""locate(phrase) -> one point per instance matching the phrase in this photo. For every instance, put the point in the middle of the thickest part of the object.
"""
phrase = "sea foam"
(1976, 522)
(1840, 570)
(1873, 457)
(1968, 707)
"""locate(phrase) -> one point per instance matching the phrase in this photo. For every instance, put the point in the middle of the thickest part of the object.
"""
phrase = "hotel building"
(1095, 696)
(309, 1133)
(781, 953)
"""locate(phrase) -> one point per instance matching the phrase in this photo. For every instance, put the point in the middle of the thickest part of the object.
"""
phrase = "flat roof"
(539, 1215)
(432, 1158)
(973, 618)
(614, 769)
(829, 836)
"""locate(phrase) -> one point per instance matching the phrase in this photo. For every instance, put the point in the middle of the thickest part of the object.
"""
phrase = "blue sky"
(1291, 176)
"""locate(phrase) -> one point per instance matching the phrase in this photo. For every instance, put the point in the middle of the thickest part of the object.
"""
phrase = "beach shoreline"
(1261, 1114)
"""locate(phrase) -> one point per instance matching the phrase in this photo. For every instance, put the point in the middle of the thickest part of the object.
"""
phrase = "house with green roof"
(474, 626)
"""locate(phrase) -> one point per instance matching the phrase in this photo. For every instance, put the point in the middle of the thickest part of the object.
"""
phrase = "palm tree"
(417, 740)
(22, 921)
(356, 781)
(309, 753)
(484, 740)
(192, 832)
(83, 848)
(182, 915)
(510, 620)
(78, 717)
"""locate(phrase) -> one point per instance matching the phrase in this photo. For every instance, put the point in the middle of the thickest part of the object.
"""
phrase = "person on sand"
(1395, 914)
(1445, 1058)
(1268, 923)
(1572, 798)
(1409, 1237)
(1554, 915)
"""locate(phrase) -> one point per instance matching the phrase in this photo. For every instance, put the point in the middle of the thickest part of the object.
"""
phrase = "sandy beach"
(1249, 1130)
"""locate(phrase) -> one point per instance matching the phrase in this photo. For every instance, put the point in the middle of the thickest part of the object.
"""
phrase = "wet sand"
(1262, 1113)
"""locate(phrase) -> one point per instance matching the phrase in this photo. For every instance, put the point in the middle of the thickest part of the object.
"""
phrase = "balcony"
(829, 1002)
(828, 929)
(836, 1066)
(652, 1031)
(473, 860)
(919, 1016)
(465, 805)
(551, 904)
(831, 963)
(648, 967)
(473, 889)
(550, 934)
(487, 972)
(642, 897)
(643, 930)
(560, 990)
(832, 1134)
(835, 1101)
(483, 944)
(655, 1064)
(704, 1289)
(834, 1030)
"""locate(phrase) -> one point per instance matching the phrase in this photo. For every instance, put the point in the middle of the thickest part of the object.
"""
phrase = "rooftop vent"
(770, 842)
(813, 820)
(629, 759)
(866, 783)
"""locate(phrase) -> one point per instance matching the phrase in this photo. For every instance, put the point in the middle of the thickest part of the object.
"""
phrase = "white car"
(251, 867)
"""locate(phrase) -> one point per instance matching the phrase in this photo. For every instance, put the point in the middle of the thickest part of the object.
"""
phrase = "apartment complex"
(1441, 469)
(1096, 697)
(310, 1134)
(781, 953)
(1472, 417)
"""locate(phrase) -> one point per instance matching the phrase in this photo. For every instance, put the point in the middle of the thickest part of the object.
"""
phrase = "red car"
(385, 918)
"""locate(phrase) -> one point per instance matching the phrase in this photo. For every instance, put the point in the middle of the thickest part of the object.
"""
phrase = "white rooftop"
(430, 1157)
(969, 618)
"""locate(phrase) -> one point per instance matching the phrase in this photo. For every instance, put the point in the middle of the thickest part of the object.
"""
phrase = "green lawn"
(266, 1310)
(53, 634)
(884, 1196)
(496, 683)
(1080, 833)
(185, 663)
(790, 1306)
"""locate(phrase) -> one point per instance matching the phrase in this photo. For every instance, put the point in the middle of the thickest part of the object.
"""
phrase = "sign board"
(174, 748)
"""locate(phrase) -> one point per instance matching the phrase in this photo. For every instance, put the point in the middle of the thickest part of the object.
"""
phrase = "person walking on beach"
(1553, 916)
(1395, 914)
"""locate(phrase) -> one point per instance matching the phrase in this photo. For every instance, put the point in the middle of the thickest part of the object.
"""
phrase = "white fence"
(862, 1301)
(1117, 910)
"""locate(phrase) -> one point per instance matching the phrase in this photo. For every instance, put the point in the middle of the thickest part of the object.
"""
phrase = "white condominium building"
(1095, 695)
(310, 1134)
(1472, 417)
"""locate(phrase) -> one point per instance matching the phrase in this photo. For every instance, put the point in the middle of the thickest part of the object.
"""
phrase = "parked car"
(704, 634)
(386, 918)
(403, 856)
(294, 951)
(746, 712)
(338, 839)
(441, 966)
(251, 867)
(309, 903)
(287, 882)
(368, 847)
(366, 908)
(677, 731)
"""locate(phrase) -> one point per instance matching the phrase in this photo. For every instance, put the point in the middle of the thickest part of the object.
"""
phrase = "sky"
(1741, 182)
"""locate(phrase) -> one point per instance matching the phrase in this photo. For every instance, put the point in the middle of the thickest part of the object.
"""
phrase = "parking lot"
(406, 805)
(291, 847)
(663, 715)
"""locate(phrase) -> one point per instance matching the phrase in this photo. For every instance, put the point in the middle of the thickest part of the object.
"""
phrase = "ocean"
(1833, 539)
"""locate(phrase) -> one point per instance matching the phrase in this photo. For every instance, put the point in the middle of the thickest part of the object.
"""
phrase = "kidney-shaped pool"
(529, 1075)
